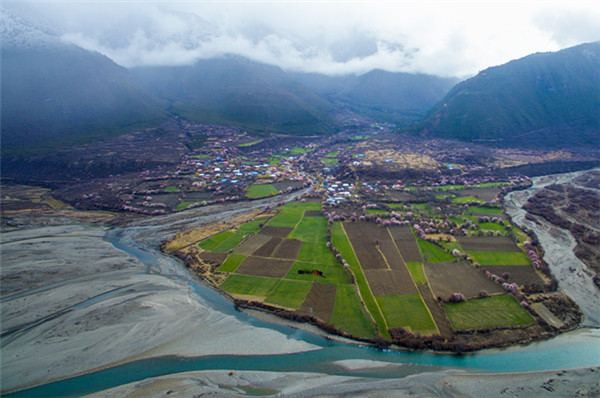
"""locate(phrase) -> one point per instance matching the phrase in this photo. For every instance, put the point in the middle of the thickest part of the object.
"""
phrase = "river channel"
(577, 349)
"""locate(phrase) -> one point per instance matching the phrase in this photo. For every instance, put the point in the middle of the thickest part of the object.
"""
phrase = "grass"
(250, 227)
(215, 240)
(316, 252)
(301, 205)
(298, 150)
(311, 229)
(171, 189)
(182, 205)
(491, 226)
(232, 263)
(329, 161)
(247, 144)
(289, 294)
(222, 242)
(349, 314)
(342, 243)
(416, 271)
(286, 218)
(332, 154)
(333, 273)
(256, 191)
(466, 199)
(485, 210)
(229, 243)
(451, 246)
(406, 311)
(432, 253)
(499, 258)
(249, 285)
(488, 312)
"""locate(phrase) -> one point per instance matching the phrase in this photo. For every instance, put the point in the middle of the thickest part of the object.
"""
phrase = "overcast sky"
(435, 37)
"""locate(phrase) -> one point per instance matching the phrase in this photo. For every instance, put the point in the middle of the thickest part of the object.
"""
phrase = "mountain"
(237, 91)
(395, 96)
(542, 100)
(54, 93)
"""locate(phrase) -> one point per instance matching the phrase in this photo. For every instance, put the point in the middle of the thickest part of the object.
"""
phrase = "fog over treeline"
(455, 39)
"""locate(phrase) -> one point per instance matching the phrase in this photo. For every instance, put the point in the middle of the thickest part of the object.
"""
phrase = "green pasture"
(316, 252)
(232, 263)
(491, 226)
(215, 240)
(329, 160)
(487, 312)
(406, 311)
(256, 191)
(485, 210)
(301, 205)
(289, 294)
(350, 315)
(247, 144)
(182, 205)
(250, 227)
(466, 199)
(499, 258)
(432, 253)
(287, 217)
(249, 285)
(311, 229)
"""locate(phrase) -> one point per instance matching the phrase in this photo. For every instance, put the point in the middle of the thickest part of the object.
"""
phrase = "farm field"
(370, 277)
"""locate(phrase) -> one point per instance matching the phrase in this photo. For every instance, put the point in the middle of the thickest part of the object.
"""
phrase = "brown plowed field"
(459, 277)
(260, 266)
(214, 258)
(409, 250)
(486, 194)
(389, 282)
(392, 255)
(288, 248)
(520, 274)
(312, 213)
(362, 237)
(401, 233)
(438, 313)
(268, 248)
(488, 243)
(320, 300)
(279, 232)
(252, 244)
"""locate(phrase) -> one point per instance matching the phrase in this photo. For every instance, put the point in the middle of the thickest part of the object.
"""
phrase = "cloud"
(443, 38)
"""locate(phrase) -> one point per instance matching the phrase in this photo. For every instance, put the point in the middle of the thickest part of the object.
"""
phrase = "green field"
(406, 311)
(311, 229)
(491, 226)
(250, 227)
(289, 294)
(432, 253)
(316, 252)
(342, 243)
(416, 271)
(232, 262)
(247, 144)
(500, 258)
(215, 240)
(485, 210)
(466, 199)
(222, 242)
(249, 285)
(349, 314)
(329, 160)
(286, 218)
(256, 191)
(488, 312)
(182, 205)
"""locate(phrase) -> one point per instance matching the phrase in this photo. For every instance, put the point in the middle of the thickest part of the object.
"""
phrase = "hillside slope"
(545, 99)
(53, 92)
(237, 91)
